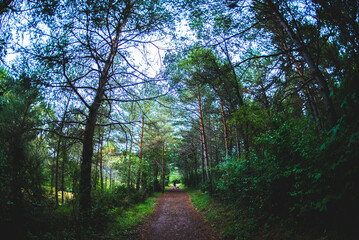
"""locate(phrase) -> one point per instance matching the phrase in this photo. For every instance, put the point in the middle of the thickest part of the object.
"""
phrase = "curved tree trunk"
(87, 143)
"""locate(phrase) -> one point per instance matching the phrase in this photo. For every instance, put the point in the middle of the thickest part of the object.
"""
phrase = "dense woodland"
(253, 102)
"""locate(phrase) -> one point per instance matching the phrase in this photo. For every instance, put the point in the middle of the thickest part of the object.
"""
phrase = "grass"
(126, 224)
(224, 218)
(216, 214)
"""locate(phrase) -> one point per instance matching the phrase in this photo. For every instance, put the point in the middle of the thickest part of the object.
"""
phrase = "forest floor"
(175, 218)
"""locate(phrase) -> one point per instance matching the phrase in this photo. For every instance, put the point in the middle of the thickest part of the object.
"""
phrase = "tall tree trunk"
(52, 177)
(155, 175)
(87, 143)
(312, 104)
(216, 145)
(129, 166)
(195, 166)
(110, 178)
(203, 134)
(163, 167)
(58, 150)
(97, 162)
(101, 157)
(87, 152)
(57, 172)
(240, 100)
(209, 143)
(144, 179)
(140, 155)
(105, 178)
(238, 148)
(202, 159)
(225, 132)
(64, 160)
(313, 67)
(246, 141)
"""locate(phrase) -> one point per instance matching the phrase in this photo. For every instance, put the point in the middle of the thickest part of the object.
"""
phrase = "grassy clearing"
(217, 215)
(128, 221)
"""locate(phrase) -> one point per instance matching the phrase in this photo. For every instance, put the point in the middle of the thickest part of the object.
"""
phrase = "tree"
(190, 71)
(21, 109)
(87, 50)
(272, 13)
(140, 154)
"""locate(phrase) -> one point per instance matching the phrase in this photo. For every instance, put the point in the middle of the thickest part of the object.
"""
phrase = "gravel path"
(175, 218)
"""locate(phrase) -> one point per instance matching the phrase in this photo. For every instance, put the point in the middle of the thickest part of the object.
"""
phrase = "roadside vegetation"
(126, 223)
(255, 103)
(116, 215)
(233, 223)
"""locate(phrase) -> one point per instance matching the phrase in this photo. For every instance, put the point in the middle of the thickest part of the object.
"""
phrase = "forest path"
(175, 218)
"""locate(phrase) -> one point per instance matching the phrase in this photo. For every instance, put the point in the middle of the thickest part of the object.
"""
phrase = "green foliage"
(293, 179)
(222, 217)
(126, 224)
(20, 111)
(287, 161)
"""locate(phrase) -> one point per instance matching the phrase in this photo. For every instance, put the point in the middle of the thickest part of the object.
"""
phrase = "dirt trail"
(175, 218)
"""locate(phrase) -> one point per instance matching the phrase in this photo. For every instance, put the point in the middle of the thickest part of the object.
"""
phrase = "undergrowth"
(235, 224)
(218, 215)
(126, 224)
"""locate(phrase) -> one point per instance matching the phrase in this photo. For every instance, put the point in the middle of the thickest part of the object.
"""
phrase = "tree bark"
(110, 178)
(203, 134)
(155, 175)
(87, 151)
(195, 165)
(215, 145)
(97, 162)
(202, 159)
(163, 167)
(313, 105)
(101, 158)
(58, 150)
(140, 155)
(52, 177)
(64, 160)
(57, 172)
(129, 166)
(225, 132)
(87, 143)
(238, 148)
(239, 94)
